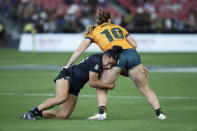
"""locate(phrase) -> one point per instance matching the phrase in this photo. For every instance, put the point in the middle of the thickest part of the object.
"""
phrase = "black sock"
(158, 111)
(36, 112)
(102, 109)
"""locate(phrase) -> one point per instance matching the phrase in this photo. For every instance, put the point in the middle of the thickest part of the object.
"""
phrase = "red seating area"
(60, 4)
(164, 8)
(143, 16)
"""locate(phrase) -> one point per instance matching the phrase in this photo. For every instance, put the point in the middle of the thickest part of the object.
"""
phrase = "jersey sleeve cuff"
(127, 35)
(89, 39)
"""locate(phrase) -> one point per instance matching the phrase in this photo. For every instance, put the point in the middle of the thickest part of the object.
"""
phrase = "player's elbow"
(110, 86)
(132, 41)
(135, 46)
(92, 83)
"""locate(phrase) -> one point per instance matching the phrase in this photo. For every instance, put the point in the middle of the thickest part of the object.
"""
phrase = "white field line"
(94, 96)
(190, 69)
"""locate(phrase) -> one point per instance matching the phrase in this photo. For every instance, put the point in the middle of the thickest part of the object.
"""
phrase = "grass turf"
(13, 57)
(123, 114)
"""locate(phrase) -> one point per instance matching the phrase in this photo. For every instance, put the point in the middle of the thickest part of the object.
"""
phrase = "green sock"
(102, 109)
(158, 111)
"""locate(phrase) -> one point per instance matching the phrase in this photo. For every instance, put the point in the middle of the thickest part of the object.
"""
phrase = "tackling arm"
(96, 83)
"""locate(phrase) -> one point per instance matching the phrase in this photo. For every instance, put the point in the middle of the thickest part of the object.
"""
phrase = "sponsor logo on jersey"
(118, 61)
(96, 67)
(67, 78)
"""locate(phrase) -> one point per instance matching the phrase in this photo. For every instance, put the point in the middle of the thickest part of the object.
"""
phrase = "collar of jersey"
(105, 23)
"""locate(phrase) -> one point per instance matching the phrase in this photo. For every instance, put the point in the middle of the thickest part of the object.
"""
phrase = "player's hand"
(64, 67)
(145, 72)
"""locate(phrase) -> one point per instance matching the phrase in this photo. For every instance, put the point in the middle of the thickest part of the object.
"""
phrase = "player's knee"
(63, 115)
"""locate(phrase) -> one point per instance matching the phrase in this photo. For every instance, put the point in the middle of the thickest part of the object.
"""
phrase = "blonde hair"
(101, 17)
(89, 29)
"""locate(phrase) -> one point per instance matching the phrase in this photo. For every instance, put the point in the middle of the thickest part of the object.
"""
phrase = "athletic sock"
(36, 112)
(158, 111)
(102, 109)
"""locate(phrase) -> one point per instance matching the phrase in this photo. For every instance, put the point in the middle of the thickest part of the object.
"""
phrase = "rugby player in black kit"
(70, 81)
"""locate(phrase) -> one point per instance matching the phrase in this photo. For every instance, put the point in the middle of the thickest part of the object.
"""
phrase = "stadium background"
(26, 78)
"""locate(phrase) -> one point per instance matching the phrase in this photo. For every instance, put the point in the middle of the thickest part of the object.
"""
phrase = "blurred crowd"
(72, 16)
(166, 16)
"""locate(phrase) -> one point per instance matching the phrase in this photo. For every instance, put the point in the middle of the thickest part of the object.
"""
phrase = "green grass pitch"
(177, 94)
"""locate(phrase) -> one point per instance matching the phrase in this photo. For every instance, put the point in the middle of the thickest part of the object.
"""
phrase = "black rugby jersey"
(80, 73)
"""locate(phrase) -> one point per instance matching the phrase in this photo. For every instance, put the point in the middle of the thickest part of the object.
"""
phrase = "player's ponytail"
(114, 52)
(101, 17)
(89, 29)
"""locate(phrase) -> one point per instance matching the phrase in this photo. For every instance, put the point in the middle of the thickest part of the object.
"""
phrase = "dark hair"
(114, 52)
(102, 16)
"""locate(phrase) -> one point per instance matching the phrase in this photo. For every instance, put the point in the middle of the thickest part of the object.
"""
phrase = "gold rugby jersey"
(107, 35)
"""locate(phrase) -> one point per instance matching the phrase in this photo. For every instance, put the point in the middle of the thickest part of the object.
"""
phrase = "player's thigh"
(62, 88)
(67, 107)
(137, 75)
(110, 75)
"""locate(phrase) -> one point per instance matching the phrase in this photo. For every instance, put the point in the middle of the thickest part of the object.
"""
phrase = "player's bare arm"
(82, 47)
(132, 41)
(96, 83)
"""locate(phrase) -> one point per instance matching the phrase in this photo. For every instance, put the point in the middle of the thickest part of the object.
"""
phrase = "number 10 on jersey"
(116, 32)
